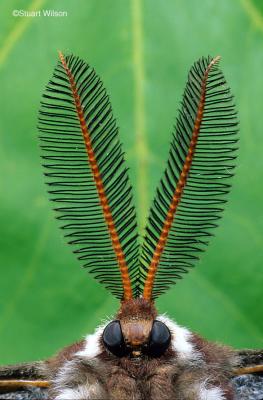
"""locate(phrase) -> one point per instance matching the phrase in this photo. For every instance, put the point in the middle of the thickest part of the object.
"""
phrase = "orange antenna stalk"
(14, 384)
(149, 282)
(127, 288)
(249, 370)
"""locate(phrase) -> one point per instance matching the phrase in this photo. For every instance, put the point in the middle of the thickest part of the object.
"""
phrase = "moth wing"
(27, 381)
(248, 381)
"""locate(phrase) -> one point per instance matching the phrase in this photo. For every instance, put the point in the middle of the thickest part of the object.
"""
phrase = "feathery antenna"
(147, 293)
(127, 288)
(87, 171)
(200, 160)
(87, 175)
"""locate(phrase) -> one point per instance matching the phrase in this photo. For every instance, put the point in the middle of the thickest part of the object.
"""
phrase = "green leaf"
(142, 50)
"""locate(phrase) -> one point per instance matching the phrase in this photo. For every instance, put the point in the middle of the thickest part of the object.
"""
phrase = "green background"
(142, 49)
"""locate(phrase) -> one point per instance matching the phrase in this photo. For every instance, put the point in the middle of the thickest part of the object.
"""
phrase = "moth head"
(135, 332)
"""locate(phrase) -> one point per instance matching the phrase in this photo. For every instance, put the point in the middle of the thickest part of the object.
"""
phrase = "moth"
(139, 354)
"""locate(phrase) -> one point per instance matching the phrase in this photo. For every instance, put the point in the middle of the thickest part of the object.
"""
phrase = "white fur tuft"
(79, 393)
(80, 390)
(92, 347)
(181, 340)
(210, 394)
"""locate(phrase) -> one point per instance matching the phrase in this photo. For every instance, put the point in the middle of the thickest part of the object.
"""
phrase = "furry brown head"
(136, 318)
(136, 332)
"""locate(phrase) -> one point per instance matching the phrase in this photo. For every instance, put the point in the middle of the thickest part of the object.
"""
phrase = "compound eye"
(159, 340)
(113, 338)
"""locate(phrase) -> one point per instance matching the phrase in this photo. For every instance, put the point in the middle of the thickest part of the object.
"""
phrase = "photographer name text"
(39, 13)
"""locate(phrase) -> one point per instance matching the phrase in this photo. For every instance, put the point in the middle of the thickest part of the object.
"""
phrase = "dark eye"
(113, 339)
(159, 340)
